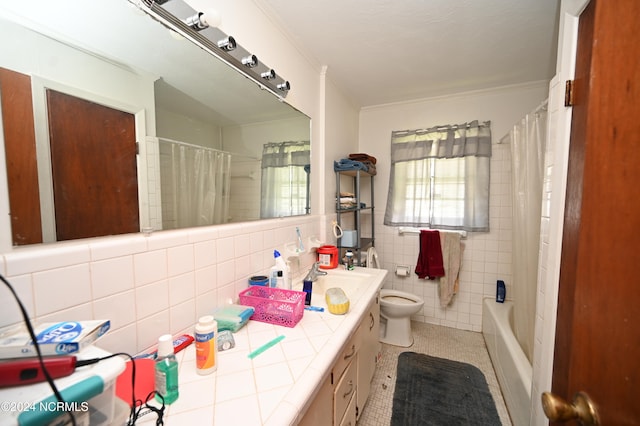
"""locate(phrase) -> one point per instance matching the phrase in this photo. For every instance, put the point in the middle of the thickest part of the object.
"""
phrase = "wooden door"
(20, 150)
(597, 348)
(93, 162)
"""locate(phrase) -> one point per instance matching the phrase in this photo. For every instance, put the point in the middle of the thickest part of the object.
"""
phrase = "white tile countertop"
(275, 387)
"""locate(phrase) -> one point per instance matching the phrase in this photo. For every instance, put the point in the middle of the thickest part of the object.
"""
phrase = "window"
(285, 177)
(440, 177)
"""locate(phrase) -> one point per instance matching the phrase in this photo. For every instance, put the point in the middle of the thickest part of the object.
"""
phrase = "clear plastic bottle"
(206, 345)
(277, 279)
(166, 370)
(348, 261)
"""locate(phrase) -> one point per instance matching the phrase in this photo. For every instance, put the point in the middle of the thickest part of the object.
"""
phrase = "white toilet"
(396, 307)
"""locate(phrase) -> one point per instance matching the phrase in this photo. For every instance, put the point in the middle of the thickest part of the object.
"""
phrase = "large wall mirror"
(113, 124)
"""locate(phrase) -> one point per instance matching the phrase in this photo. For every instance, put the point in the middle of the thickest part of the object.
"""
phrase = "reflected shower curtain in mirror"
(285, 173)
(195, 185)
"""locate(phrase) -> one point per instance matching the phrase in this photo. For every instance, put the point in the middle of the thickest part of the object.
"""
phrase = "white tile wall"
(152, 298)
(61, 288)
(120, 309)
(182, 288)
(111, 276)
(154, 197)
(147, 285)
(10, 312)
(486, 257)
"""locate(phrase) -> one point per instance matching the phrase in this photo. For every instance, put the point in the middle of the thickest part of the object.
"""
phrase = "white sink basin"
(353, 283)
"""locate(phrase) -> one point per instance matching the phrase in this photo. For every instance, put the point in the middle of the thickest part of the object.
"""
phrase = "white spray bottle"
(279, 274)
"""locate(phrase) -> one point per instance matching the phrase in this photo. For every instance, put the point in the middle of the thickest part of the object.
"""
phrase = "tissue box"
(54, 338)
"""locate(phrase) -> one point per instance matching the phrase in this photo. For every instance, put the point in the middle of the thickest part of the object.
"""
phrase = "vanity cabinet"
(344, 396)
(319, 412)
(345, 390)
(369, 352)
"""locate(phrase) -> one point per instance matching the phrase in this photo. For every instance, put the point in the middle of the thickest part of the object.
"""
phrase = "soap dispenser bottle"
(501, 291)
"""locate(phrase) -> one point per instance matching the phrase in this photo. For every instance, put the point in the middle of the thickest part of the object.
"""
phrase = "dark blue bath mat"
(440, 392)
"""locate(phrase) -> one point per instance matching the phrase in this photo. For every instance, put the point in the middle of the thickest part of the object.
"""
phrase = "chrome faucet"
(314, 272)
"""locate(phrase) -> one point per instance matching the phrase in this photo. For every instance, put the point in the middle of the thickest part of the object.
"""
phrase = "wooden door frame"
(597, 332)
(39, 89)
(6, 239)
(559, 135)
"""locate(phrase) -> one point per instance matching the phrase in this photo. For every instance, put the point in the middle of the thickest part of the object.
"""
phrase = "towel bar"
(410, 230)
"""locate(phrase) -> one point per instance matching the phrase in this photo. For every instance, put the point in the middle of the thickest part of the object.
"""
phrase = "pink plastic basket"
(274, 305)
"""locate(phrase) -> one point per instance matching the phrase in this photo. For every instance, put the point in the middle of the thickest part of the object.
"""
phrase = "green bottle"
(166, 370)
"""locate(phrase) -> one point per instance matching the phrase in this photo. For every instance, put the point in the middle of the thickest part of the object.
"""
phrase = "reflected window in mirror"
(285, 179)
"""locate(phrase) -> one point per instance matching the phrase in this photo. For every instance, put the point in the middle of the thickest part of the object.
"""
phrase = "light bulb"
(212, 17)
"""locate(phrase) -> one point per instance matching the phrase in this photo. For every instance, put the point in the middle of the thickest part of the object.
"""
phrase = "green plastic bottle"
(166, 371)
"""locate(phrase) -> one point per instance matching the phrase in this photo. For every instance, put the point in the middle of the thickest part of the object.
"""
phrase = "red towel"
(430, 263)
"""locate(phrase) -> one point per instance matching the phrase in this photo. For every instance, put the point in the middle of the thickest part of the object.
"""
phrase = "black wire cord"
(32, 334)
(134, 413)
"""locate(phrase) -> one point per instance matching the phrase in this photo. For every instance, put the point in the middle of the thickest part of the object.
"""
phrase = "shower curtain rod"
(190, 145)
(440, 128)
(542, 107)
(411, 230)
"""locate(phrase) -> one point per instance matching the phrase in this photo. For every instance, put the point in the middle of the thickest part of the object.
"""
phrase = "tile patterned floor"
(443, 342)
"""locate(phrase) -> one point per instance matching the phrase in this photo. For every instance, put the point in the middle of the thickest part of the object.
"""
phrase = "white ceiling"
(383, 51)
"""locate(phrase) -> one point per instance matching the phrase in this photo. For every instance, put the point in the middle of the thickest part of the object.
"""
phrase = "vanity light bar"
(177, 15)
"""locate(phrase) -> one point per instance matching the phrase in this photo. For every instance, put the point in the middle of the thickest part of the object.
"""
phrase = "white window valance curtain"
(440, 177)
(285, 174)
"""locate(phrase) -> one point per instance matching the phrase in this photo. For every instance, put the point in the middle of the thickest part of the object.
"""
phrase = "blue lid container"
(261, 280)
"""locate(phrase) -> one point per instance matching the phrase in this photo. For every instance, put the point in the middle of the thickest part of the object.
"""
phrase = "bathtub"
(512, 367)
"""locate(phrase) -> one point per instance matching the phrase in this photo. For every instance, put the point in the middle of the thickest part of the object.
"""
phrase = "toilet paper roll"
(402, 271)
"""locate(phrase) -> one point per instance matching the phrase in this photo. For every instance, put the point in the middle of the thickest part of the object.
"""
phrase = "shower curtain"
(528, 140)
(195, 185)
